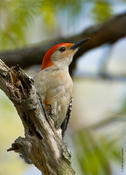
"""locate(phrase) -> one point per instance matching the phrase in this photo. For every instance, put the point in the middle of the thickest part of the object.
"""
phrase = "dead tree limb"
(107, 32)
(42, 145)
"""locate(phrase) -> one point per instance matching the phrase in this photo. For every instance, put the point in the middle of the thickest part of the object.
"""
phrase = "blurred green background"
(96, 133)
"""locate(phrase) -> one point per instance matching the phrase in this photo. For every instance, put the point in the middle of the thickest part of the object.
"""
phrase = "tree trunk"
(42, 145)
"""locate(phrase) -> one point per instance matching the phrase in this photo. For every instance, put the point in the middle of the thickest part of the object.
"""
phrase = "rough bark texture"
(42, 145)
(108, 32)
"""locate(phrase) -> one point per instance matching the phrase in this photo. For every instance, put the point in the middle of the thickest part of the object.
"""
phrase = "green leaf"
(102, 11)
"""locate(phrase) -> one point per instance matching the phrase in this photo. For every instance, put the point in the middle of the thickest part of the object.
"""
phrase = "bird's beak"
(79, 44)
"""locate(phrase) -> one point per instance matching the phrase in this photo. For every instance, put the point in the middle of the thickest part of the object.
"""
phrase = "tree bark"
(42, 144)
(107, 32)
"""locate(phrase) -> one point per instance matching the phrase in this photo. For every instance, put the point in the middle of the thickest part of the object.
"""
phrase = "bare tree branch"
(115, 117)
(108, 32)
(42, 145)
(102, 76)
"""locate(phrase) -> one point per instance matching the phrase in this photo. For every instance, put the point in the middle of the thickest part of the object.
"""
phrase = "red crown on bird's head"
(47, 62)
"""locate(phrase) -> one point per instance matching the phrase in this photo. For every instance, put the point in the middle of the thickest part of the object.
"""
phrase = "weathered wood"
(42, 145)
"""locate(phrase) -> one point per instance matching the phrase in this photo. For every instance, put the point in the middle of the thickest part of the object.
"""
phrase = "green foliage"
(95, 153)
(102, 11)
(123, 107)
(17, 17)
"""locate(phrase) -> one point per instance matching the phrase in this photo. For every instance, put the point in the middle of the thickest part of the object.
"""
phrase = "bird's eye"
(62, 49)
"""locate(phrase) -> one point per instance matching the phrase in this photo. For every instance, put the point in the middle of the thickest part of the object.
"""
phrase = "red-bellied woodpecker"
(54, 83)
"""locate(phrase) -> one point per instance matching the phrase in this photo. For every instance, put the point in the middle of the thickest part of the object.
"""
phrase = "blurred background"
(96, 132)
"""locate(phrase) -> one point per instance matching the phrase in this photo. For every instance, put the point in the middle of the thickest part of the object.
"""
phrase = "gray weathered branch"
(107, 32)
(42, 145)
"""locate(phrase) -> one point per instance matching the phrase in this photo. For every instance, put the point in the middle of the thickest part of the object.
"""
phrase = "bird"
(54, 83)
